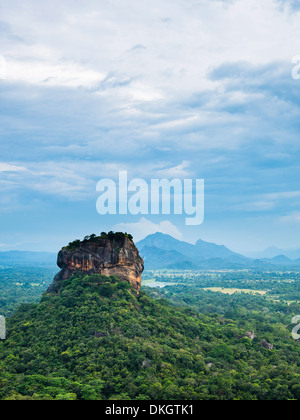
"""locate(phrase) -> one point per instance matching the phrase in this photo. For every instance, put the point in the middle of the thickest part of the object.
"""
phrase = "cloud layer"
(195, 88)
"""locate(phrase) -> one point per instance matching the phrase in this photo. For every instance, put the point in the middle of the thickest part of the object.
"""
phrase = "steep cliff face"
(116, 256)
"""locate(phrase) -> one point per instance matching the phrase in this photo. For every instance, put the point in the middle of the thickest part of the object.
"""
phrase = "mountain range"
(162, 251)
(28, 258)
(273, 252)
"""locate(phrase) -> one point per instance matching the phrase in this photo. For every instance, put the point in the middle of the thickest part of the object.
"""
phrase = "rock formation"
(267, 345)
(249, 334)
(108, 255)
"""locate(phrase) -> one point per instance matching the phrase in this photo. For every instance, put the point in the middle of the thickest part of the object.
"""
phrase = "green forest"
(97, 339)
(19, 284)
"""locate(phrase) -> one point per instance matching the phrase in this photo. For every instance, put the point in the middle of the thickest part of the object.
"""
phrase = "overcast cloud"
(162, 89)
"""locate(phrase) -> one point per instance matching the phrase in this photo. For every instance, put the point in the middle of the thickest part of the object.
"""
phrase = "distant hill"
(161, 251)
(164, 251)
(273, 252)
(282, 260)
(158, 258)
(26, 258)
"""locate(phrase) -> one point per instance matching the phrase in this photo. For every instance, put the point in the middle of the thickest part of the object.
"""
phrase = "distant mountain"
(208, 250)
(164, 251)
(281, 260)
(27, 258)
(157, 258)
(273, 252)
(167, 243)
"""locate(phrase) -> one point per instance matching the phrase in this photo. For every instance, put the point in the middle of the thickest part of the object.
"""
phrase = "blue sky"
(168, 88)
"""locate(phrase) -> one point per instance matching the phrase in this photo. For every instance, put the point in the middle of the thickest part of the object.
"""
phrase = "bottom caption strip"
(152, 409)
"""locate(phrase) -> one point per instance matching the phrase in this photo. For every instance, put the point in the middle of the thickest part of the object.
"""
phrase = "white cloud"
(141, 65)
(266, 202)
(285, 195)
(254, 206)
(6, 167)
(141, 96)
(291, 218)
(52, 74)
(179, 171)
(141, 93)
(77, 182)
(145, 227)
(179, 43)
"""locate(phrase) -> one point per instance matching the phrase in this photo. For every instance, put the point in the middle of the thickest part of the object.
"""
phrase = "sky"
(197, 89)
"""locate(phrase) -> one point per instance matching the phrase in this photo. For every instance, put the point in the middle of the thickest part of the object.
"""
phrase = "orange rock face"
(108, 257)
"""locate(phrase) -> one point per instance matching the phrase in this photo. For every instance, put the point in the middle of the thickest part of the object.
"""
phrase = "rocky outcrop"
(100, 334)
(267, 345)
(113, 255)
(251, 335)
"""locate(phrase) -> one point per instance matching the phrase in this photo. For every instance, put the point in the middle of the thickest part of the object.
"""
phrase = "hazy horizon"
(250, 254)
(182, 89)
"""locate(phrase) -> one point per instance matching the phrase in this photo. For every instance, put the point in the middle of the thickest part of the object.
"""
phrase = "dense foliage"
(22, 285)
(98, 339)
(112, 236)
